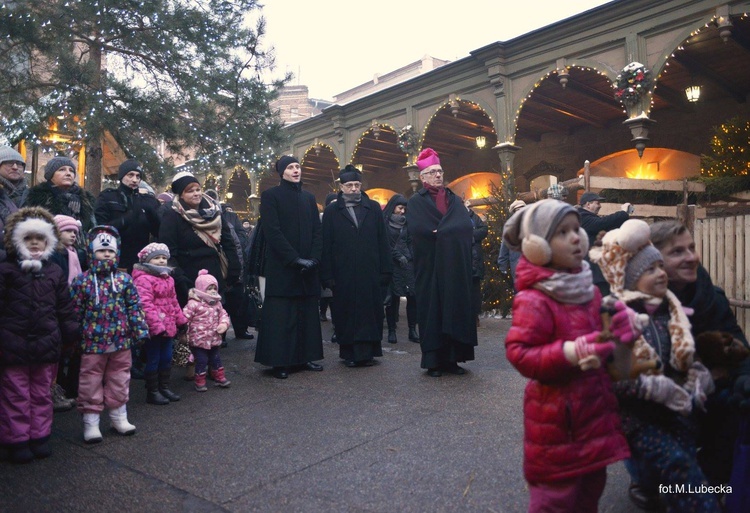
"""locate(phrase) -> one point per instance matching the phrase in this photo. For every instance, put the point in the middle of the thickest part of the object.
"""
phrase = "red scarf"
(439, 195)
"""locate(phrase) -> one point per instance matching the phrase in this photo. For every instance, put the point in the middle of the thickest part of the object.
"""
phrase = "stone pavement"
(382, 439)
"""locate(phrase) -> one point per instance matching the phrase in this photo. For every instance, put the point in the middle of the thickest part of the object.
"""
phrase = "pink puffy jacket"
(159, 303)
(571, 423)
(203, 319)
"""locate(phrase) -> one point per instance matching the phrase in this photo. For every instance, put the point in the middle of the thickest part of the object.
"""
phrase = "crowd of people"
(613, 319)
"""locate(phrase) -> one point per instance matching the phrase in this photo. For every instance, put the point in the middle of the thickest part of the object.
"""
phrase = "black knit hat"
(181, 180)
(128, 166)
(350, 174)
(283, 162)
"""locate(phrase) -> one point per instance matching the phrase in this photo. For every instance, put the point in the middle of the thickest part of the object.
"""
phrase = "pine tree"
(730, 149)
(185, 74)
(497, 288)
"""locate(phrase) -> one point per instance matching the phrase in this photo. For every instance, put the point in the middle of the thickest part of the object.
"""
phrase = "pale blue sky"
(334, 45)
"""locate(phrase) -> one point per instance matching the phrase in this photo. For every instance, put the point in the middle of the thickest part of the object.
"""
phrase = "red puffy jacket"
(571, 423)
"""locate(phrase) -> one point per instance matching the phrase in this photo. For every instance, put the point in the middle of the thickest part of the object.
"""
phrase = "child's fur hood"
(30, 220)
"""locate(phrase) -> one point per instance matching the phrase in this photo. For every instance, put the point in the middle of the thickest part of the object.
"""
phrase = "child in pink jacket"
(207, 321)
(164, 317)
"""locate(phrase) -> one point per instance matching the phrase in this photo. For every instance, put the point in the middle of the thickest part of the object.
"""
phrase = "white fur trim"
(34, 225)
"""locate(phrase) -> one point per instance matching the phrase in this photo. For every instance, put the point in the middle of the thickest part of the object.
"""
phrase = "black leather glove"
(305, 264)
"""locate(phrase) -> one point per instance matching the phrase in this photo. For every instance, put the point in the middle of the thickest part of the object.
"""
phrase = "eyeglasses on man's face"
(351, 185)
(14, 163)
(434, 172)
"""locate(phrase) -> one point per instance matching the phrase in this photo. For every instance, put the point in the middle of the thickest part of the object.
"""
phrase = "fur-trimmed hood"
(23, 222)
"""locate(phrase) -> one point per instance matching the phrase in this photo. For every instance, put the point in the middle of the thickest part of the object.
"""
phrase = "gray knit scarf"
(397, 221)
(351, 200)
(569, 288)
(15, 191)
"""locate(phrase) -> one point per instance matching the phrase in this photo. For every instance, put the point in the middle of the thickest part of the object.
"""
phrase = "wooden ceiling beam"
(696, 67)
(565, 109)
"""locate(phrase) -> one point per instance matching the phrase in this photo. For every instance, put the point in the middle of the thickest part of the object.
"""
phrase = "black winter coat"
(190, 254)
(290, 227)
(356, 258)
(53, 199)
(442, 262)
(403, 282)
(477, 253)
(36, 315)
(134, 215)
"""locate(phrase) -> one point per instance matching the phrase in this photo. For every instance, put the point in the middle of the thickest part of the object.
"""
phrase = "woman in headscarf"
(61, 195)
(402, 283)
(197, 237)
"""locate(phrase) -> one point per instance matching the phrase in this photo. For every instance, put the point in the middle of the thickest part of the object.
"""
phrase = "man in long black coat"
(356, 264)
(289, 332)
(442, 234)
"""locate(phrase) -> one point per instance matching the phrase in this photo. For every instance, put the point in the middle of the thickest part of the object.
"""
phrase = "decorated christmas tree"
(729, 153)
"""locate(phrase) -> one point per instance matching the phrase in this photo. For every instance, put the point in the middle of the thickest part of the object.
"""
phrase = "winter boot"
(200, 382)
(20, 452)
(40, 447)
(153, 395)
(91, 433)
(413, 335)
(218, 376)
(392, 336)
(190, 372)
(118, 417)
(59, 401)
(164, 385)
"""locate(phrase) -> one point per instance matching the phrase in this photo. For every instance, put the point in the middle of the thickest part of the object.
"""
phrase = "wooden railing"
(724, 246)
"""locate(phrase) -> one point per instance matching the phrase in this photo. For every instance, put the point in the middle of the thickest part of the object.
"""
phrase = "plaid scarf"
(206, 223)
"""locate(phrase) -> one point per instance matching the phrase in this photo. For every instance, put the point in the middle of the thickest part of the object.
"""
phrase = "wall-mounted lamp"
(563, 76)
(455, 107)
(481, 141)
(693, 93)
(375, 129)
(359, 167)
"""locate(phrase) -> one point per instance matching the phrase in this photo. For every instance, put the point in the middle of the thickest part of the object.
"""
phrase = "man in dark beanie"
(132, 213)
(289, 330)
(357, 266)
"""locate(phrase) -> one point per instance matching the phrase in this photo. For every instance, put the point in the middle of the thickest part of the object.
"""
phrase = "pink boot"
(200, 382)
(218, 376)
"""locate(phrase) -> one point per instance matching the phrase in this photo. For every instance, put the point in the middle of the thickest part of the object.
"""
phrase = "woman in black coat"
(60, 194)
(197, 238)
(402, 283)
(356, 264)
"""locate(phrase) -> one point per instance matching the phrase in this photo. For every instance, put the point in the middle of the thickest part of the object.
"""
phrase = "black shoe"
(313, 367)
(20, 453)
(413, 335)
(40, 448)
(280, 373)
(350, 363)
(153, 396)
(392, 337)
(644, 499)
(434, 373)
(156, 398)
(164, 376)
(454, 369)
(244, 336)
(334, 340)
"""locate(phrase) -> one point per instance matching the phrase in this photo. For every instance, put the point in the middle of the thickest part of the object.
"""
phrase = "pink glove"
(660, 389)
(626, 325)
(586, 345)
(699, 384)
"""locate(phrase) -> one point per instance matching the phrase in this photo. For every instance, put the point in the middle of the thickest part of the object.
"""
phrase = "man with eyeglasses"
(442, 234)
(356, 265)
(13, 187)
